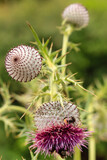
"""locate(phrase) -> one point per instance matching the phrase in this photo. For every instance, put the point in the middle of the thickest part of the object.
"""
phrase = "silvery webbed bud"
(76, 14)
(23, 63)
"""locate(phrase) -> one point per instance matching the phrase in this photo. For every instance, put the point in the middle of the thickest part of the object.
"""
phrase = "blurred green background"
(45, 16)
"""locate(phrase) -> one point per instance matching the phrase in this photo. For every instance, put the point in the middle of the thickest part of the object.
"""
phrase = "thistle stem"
(92, 148)
(66, 34)
(92, 143)
(53, 87)
(77, 154)
(58, 157)
(64, 49)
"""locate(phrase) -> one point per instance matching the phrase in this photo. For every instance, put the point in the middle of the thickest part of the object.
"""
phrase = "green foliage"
(89, 62)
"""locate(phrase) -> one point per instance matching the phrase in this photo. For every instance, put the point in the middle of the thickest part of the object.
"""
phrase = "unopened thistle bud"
(77, 15)
(57, 129)
(23, 63)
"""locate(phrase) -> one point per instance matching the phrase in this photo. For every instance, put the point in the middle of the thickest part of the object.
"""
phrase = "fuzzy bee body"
(69, 120)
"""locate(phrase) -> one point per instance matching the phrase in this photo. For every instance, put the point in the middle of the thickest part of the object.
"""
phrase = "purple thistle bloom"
(60, 137)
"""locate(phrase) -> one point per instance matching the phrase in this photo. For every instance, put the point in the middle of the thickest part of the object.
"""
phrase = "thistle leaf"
(47, 42)
(35, 36)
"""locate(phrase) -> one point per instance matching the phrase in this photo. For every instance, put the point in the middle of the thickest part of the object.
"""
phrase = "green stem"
(58, 157)
(77, 154)
(66, 34)
(53, 87)
(92, 143)
(92, 148)
(64, 49)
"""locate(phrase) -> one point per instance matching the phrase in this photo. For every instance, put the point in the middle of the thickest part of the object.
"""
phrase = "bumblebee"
(69, 120)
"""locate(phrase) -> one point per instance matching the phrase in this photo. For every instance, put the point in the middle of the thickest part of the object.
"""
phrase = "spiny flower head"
(53, 113)
(60, 138)
(76, 14)
(23, 63)
(58, 129)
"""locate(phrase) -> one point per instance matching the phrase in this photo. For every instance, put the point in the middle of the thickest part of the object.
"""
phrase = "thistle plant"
(57, 128)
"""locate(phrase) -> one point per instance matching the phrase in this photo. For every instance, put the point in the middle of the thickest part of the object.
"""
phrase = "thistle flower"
(58, 129)
(53, 113)
(76, 14)
(23, 63)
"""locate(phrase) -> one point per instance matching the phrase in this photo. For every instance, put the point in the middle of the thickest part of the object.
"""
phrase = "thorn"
(50, 38)
(67, 76)
(43, 41)
(33, 42)
(59, 50)
(56, 56)
(51, 45)
(83, 109)
(28, 24)
(65, 65)
(60, 58)
(65, 54)
(77, 80)
(73, 75)
(68, 64)
(22, 115)
(80, 82)
(87, 90)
